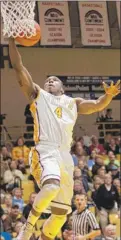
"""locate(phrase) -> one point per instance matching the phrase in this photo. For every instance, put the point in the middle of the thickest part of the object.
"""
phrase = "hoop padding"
(18, 18)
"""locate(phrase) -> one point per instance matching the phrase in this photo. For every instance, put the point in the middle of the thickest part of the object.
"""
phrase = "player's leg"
(61, 205)
(50, 179)
(54, 223)
(48, 192)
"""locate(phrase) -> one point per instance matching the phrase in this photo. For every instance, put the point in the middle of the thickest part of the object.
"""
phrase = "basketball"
(24, 41)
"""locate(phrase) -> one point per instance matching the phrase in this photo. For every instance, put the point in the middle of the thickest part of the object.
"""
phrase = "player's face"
(53, 85)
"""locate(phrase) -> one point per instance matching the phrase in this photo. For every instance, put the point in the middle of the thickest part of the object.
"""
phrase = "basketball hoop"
(18, 18)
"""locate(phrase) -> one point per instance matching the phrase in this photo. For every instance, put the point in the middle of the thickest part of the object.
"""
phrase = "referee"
(84, 223)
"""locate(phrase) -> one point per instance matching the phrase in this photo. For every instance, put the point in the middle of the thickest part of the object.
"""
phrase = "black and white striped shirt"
(84, 222)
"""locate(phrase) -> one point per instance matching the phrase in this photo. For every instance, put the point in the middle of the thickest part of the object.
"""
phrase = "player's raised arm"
(24, 78)
(92, 106)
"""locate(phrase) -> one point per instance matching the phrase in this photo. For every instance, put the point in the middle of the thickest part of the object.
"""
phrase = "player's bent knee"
(59, 211)
(35, 213)
(45, 196)
(53, 225)
(51, 181)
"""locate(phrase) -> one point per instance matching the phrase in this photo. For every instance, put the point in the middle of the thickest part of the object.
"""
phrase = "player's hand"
(112, 89)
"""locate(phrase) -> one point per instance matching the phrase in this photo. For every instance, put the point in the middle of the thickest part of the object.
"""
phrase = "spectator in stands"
(112, 147)
(117, 184)
(86, 149)
(2, 197)
(68, 223)
(96, 184)
(3, 217)
(108, 115)
(100, 116)
(21, 151)
(96, 146)
(17, 198)
(101, 172)
(97, 165)
(5, 154)
(77, 151)
(110, 232)
(78, 187)
(12, 176)
(84, 222)
(91, 160)
(12, 218)
(112, 160)
(114, 172)
(79, 183)
(17, 229)
(28, 207)
(7, 204)
(4, 166)
(77, 173)
(74, 157)
(16, 172)
(83, 158)
(9, 146)
(67, 232)
(106, 197)
(21, 166)
(107, 140)
(118, 143)
(87, 139)
(85, 175)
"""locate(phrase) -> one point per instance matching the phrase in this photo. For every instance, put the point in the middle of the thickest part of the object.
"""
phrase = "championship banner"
(118, 6)
(54, 23)
(94, 24)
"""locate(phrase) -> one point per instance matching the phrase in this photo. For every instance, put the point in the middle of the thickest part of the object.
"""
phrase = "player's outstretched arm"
(23, 76)
(92, 106)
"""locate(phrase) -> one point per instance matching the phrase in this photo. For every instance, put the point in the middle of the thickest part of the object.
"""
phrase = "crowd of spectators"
(96, 176)
(108, 124)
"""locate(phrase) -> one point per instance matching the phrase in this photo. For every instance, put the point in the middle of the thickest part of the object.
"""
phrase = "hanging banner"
(94, 24)
(118, 6)
(54, 23)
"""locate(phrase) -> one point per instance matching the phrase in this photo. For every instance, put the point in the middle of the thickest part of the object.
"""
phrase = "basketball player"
(54, 116)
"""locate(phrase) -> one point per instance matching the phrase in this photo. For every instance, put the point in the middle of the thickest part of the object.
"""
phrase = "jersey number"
(58, 112)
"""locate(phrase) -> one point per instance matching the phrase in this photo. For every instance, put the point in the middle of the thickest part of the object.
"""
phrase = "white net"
(18, 18)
